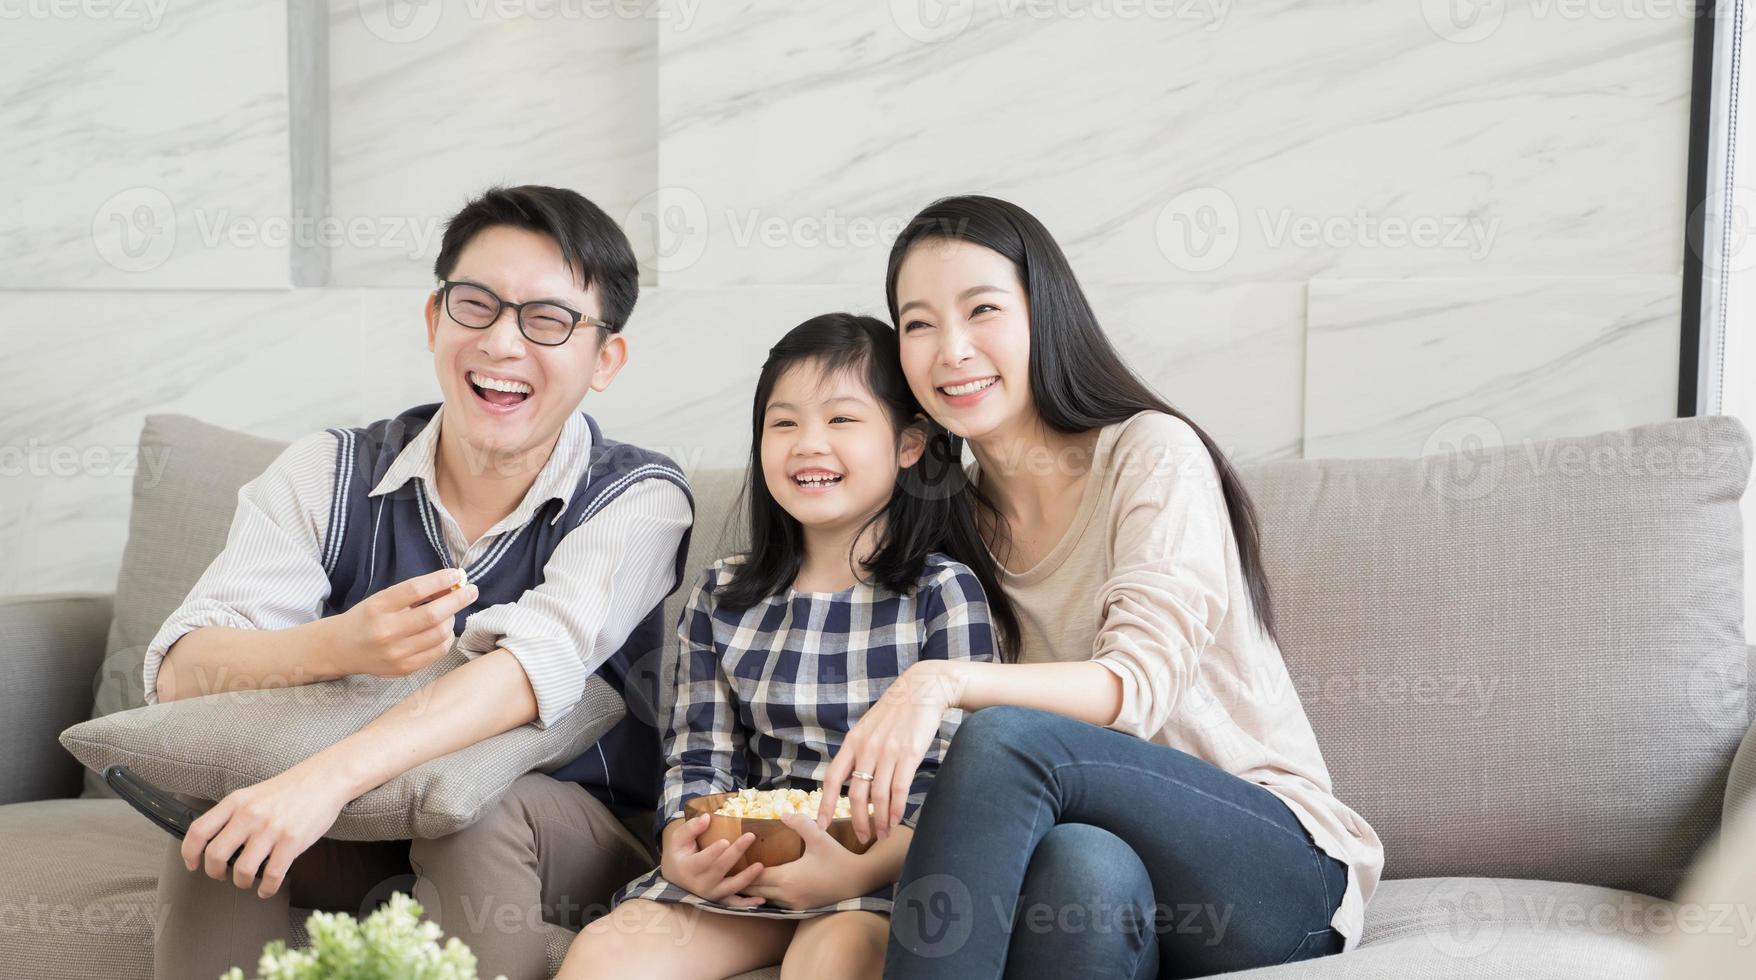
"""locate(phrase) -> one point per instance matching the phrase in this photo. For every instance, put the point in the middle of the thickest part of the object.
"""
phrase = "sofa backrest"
(176, 525)
(1527, 662)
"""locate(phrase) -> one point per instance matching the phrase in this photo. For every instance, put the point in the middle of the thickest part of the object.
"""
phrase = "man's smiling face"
(504, 394)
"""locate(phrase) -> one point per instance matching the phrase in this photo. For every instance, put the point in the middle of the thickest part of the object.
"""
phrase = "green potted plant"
(392, 944)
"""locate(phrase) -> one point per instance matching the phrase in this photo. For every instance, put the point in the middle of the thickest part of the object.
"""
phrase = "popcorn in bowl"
(758, 812)
(770, 804)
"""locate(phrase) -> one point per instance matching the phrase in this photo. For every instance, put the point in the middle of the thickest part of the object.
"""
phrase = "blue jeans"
(1054, 848)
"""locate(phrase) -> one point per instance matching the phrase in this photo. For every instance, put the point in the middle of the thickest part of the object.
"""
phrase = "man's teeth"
(496, 384)
(816, 481)
(970, 388)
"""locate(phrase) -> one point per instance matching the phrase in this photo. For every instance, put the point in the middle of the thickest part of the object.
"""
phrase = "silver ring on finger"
(857, 774)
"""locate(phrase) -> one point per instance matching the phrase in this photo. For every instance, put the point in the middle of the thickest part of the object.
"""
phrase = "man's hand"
(267, 825)
(390, 633)
(702, 870)
(824, 875)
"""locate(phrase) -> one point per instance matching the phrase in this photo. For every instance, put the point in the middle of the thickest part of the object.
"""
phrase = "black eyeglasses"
(476, 307)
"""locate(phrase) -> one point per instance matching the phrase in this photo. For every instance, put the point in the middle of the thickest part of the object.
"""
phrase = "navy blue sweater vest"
(375, 542)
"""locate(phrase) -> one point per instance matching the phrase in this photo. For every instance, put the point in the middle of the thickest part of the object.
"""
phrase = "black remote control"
(172, 815)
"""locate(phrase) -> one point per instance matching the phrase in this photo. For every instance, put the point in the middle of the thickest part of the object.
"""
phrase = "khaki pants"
(548, 857)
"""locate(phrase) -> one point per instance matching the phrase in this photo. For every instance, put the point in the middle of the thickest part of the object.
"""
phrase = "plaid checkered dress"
(766, 694)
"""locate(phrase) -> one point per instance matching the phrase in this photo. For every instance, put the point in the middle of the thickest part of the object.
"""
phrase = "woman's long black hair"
(1077, 379)
(928, 511)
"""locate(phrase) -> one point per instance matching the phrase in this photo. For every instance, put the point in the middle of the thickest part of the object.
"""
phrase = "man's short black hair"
(593, 246)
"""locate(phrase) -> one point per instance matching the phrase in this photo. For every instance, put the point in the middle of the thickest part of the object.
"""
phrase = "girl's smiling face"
(830, 454)
(963, 326)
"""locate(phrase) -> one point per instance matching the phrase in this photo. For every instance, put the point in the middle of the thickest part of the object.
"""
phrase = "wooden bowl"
(775, 842)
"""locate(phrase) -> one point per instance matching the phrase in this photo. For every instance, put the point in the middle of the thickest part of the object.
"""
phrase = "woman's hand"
(824, 875)
(889, 742)
(702, 870)
(266, 825)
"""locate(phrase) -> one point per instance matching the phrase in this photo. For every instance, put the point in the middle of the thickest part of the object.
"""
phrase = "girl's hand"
(826, 874)
(889, 742)
(702, 870)
(266, 825)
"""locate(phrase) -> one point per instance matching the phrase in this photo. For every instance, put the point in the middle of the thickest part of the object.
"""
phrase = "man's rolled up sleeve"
(270, 574)
(601, 582)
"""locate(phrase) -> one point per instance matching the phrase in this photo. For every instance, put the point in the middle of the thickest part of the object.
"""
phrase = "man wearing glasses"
(500, 519)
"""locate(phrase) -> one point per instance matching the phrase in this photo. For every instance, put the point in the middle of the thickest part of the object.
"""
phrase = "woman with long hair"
(1141, 794)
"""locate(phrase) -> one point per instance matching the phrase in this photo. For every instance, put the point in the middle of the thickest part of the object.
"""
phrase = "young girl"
(864, 559)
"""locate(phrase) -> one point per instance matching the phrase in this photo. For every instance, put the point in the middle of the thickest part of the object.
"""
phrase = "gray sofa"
(1527, 668)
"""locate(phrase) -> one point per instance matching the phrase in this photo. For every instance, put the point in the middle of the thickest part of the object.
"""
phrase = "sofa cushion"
(77, 889)
(1488, 929)
(176, 525)
(714, 536)
(1481, 928)
(79, 892)
(1527, 661)
(207, 747)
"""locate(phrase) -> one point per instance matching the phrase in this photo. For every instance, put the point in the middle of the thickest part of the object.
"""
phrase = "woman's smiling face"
(963, 326)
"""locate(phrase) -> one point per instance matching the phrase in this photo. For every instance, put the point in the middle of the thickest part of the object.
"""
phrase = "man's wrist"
(338, 771)
(318, 641)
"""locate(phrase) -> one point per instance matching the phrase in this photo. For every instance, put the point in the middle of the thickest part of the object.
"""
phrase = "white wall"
(1320, 229)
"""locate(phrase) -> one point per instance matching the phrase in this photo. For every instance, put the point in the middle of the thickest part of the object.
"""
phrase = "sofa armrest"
(50, 649)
